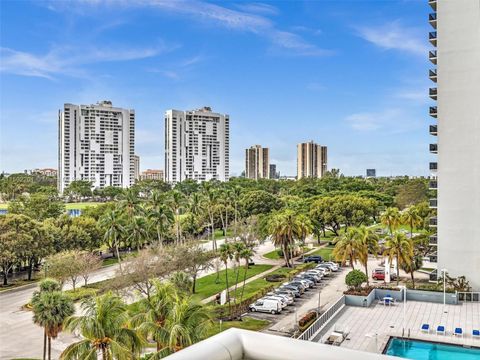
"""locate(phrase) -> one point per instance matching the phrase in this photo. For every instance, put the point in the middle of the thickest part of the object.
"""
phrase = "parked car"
(309, 283)
(288, 298)
(379, 274)
(325, 268)
(332, 267)
(283, 302)
(294, 290)
(310, 276)
(298, 287)
(335, 266)
(299, 283)
(313, 258)
(316, 273)
(289, 295)
(266, 305)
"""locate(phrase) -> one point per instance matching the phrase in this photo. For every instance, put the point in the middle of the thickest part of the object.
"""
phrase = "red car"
(379, 274)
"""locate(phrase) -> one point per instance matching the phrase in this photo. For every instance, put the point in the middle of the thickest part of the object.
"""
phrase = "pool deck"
(370, 328)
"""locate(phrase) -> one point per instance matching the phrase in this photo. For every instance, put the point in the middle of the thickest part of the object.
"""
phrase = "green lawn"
(206, 285)
(219, 233)
(80, 205)
(273, 255)
(324, 252)
(246, 323)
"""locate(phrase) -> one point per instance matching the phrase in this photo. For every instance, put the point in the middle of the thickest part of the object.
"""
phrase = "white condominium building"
(311, 160)
(257, 163)
(97, 144)
(456, 89)
(197, 144)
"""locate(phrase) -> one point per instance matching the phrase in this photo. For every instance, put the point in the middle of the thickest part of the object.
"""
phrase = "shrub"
(307, 319)
(81, 293)
(355, 279)
(275, 277)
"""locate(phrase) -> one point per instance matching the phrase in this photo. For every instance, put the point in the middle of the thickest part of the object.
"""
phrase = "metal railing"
(471, 296)
(322, 320)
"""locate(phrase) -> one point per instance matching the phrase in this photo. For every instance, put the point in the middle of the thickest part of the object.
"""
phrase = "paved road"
(19, 337)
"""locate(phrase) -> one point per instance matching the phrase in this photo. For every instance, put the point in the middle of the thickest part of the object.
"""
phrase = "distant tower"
(311, 160)
(257, 161)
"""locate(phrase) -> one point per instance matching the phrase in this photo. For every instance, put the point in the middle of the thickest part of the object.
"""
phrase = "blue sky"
(351, 75)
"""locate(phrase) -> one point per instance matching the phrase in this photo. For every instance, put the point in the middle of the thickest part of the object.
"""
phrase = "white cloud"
(259, 8)
(394, 36)
(370, 121)
(68, 60)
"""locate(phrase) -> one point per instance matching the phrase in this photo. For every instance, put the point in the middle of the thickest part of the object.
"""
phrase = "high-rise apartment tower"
(311, 160)
(257, 163)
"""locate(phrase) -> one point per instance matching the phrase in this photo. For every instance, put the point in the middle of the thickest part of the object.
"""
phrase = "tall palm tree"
(391, 218)
(284, 228)
(411, 218)
(247, 255)
(161, 218)
(187, 323)
(112, 223)
(153, 312)
(177, 201)
(415, 264)
(50, 310)
(104, 329)
(235, 195)
(130, 203)
(137, 230)
(226, 254)
(400, 248)
(238, 248)
(367, 244)
(346, 247)
(210, 198)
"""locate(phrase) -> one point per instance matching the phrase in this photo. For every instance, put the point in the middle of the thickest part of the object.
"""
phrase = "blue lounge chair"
(441, 329)
(458, 332)
(426, 328)
(476, 333)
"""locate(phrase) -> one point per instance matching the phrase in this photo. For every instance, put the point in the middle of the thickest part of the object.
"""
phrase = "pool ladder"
(403, 333)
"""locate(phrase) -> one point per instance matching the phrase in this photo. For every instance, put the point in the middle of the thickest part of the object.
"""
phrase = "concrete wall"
(355, 300)
(431, 296)
(458, 59)
(396, 294)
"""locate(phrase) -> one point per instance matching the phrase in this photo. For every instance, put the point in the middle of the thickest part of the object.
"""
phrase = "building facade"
(257, 162)
(136, 166)
(371, 173)
(152, 174)
(311, 160)
(197, 145)
(49, 172)
(456, 171)
(273, 172)
(96, 144)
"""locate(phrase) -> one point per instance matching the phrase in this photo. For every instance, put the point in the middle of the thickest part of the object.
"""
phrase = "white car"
(283, 302)
(316, 272)
(266, 305)
(325, 268)
(286, 297)
(333, 265)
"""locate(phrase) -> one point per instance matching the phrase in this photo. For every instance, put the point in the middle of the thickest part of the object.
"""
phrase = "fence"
(470, 296)
(323, 319)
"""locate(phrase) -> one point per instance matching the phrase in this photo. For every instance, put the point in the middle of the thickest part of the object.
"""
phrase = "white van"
(266, 305)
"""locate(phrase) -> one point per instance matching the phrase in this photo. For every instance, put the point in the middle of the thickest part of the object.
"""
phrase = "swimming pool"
(423, 350)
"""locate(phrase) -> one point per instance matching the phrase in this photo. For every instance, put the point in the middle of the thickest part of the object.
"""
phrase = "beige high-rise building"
(311, 160)
(257, 162)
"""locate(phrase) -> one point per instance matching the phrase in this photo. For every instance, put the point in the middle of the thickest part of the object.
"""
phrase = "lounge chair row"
(458, 331)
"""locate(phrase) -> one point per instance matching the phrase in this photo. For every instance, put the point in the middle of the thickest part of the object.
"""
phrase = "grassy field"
(219, 234)
(246, 323)
(206, 286)
(324, 252)
(273, 255)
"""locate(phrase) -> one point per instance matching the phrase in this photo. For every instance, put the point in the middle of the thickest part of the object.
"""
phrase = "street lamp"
(444, 272)
(404, 288)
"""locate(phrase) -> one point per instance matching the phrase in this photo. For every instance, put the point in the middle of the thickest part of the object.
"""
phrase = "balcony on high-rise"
(432, 37)
(432, 74)
(433, 166)
(433, 130)
(433, 258)
(433, 240)
(432, 56)
(432, 185)
(433, 111)
(433, 148)
(433, 221)
(432, 92)
(432, 19)
(433, 203)
(433, 4)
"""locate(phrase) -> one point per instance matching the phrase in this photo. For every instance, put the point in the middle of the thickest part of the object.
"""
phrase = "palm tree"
(210, 198)
(114, 229)
(238, 248)
(137, 231)
(346, 247)
(411, 218)
(153, 313)
(391, 218)
(416, 264)
(161, 217)
(50, 310)
(130, 203)
(187, 323)
(400, 248)
(226, 254)
(246, 254)
(235, 195)
(367, 244)
(177, 201)
(285, 228)
(104, 329)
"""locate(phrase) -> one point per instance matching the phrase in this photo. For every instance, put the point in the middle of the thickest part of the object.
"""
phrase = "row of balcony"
(432, 56)
(432, 74)
(433, 240)
(433, 4)
(433, 166)
(433, 221)
(433, 203)
(433, 148)
(432, 37)
(432, 92)
(433, 111)
(432, 19)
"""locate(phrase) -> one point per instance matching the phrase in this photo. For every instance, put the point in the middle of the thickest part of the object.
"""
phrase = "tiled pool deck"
(386, 321)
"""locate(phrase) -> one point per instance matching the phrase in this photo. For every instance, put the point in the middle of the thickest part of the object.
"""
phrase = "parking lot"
(330, 289)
